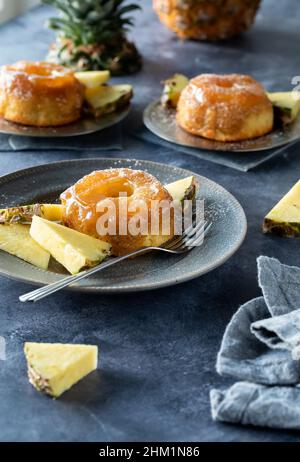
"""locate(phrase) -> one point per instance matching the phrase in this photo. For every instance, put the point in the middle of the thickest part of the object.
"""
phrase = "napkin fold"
(252, 404)
(261, 347)
(280, 332)
(108, 139)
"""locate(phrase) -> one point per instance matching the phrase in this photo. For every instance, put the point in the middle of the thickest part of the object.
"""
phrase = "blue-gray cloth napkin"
(239, 161)
(252, 404)
(261, 347)
(108, 139)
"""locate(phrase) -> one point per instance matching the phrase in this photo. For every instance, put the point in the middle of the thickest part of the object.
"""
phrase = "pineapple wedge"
(24, 213)
(53, 368)
(52, 212)
(284, 218)
(286, 105)
(70, 248)
(92, 79)
(182, 189)
(172, 90)
(16, 240)
(108, 99)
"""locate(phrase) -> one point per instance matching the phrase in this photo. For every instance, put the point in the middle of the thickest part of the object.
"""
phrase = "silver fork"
(192, 237)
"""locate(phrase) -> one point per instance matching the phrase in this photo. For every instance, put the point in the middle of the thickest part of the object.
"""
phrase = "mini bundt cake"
(225, 108)
(40, 94)
(92, 198)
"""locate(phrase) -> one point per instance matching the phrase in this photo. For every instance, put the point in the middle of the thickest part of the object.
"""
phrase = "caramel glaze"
(225, 107)
(40, 94)
(80, 206)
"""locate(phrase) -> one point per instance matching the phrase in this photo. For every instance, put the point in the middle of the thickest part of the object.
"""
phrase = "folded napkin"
(261, 347)
(251, 404)
(110, 138)
(239, 161)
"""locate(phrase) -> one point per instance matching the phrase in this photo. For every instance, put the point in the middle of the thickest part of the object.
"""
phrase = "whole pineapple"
(207, 19)
(91, 35)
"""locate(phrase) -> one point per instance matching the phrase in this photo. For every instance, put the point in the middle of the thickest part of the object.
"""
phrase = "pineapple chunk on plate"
(286, 105)
(92, 79)
(182, 189)
(24, 213)
(16, 240)
(52, 212)
(70, 248)
(172, 90)
(284, 218)
(107, 99)
(53, 368)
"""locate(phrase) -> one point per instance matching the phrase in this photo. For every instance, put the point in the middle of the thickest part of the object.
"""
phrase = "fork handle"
(49, 289)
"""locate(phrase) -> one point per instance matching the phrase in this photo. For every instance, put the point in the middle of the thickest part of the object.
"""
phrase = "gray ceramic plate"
(162, 122)
(84, 126)
(45, 183)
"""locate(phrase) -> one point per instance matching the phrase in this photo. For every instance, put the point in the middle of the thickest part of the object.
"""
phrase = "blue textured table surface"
(157, 349)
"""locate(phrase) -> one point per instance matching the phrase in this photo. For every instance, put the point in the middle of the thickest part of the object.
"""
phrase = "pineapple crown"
(87, 22)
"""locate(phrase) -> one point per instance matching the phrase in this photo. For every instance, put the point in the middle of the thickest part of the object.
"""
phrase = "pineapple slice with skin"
(16, 240)
(286, 105)
(53, 368)
(172, 90)
(108, 99)
(284, 218)
(92, 79)
(52, 212)
(24, 213)
(70, 248)
(183, 193)
(182, 189)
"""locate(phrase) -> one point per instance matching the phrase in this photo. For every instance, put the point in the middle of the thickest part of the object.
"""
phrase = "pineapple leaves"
(128, 8)
(91, 35)
(66, 28)
(91, 21)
